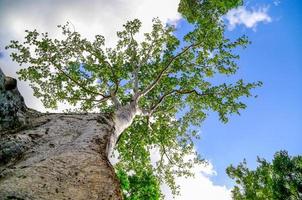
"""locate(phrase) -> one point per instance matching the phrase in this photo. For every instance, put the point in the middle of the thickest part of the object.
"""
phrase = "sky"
(271, 122)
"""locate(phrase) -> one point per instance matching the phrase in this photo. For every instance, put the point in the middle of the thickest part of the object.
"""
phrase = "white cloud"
(248, 18)
(199, 187)
(89, 17)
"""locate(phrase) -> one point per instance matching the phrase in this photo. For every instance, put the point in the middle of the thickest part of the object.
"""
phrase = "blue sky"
(273, 121)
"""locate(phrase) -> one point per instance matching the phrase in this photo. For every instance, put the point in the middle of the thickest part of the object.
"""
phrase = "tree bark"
(54, 156)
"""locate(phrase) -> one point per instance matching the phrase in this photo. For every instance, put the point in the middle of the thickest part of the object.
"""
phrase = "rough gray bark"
(12, 106)
(54, 156)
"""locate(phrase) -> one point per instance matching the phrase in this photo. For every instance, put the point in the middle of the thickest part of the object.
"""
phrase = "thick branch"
(116, 102)
(113, 96)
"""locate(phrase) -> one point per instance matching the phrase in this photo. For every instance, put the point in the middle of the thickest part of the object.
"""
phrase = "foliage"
(279, 180)
(168, 77)
(139, 186)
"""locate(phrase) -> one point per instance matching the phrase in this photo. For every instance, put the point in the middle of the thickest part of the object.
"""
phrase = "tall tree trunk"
(54, 156)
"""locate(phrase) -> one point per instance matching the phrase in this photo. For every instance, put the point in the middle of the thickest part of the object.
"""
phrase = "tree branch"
(161, 74)
(73, 80)
(135, 88)
(167, 156)
(144, 60)
(113, 96)
(116, 102)
(163, 97)
(135, 64)
(116, 81)
(79, 84)
(86, 99)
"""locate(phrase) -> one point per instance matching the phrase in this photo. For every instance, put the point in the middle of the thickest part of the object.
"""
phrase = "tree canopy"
(281, 179)
(168, 77)
(138, 186)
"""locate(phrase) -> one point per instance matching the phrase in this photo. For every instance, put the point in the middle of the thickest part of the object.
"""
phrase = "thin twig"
(162, 98)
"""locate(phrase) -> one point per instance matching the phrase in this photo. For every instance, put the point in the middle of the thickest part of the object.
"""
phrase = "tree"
(280, 179)
(139, 186)
(152, 93)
